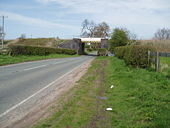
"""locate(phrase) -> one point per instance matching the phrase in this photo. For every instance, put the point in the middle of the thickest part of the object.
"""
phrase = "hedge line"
(102, 52)
(33, 50)
(135, 55)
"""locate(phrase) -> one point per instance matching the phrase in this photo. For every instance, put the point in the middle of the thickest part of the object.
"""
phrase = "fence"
(154, 57)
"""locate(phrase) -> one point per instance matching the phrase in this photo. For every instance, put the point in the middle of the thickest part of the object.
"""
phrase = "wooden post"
(157, 62)
(149, 57)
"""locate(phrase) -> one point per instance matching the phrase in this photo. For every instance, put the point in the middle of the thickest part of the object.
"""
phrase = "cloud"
(142, 16)
(34, 21)
(119, 11)
(99, 5)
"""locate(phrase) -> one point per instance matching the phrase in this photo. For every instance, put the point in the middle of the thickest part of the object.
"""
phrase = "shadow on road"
(91, 54)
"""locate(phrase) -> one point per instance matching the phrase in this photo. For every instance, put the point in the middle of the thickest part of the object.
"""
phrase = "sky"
(63, 18)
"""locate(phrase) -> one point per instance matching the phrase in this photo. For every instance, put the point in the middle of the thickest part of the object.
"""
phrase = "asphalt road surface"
(19, 81)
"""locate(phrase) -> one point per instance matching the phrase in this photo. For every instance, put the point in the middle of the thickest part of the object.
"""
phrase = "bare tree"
(91, 29)
(85, 34)
(162, 34)
(102, 30)
(88, 27)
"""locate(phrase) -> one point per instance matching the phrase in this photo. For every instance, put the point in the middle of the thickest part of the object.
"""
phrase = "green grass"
(140, 99)
(79, 107)
(6, 59)
(165, 60)
(165, 65)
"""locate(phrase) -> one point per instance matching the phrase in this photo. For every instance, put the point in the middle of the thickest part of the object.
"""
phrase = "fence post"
(157, 62)
(149, 57)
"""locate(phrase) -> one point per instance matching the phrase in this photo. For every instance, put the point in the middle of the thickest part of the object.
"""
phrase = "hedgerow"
(34, 50)
(135, 55)
(102, 52)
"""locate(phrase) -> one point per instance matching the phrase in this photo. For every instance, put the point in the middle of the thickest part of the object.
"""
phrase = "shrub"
(102, 52)
(135, 55)
(119, 37)
(34, 50)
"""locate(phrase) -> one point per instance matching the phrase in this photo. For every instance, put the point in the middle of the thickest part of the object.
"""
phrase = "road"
(20, 81)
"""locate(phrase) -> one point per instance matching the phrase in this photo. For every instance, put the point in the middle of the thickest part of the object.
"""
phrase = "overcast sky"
(63, 18)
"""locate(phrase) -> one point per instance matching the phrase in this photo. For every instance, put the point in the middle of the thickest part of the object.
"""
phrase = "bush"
(34, 50)
(119, 37)
(135, 55)
(102, 52)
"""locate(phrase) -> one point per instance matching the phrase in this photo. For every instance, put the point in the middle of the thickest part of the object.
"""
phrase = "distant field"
(160, 45)
(46, 42)
(165, 65)
(5, 59)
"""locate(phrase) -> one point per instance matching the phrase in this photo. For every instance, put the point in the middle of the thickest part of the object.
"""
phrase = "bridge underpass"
(78, 44)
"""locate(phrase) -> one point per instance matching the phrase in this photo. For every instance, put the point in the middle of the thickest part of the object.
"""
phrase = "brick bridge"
(78, 44)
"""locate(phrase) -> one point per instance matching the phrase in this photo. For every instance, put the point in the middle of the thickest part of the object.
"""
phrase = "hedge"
(102, 52)
(135, 55)
(34, 50)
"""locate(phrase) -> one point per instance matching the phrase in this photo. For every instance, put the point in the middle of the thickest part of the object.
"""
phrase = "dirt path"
(24, 117)
(100, 119)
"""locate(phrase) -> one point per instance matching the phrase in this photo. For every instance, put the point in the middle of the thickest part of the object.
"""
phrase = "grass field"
(6, 59)
(165, 65)
(165, 60)
(139, 99)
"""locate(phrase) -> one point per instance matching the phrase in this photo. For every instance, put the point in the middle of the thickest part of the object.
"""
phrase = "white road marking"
(60, 62)
(43, 65)
(17, 105)
(34, 67)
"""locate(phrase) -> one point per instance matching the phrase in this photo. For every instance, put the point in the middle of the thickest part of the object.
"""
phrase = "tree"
(88, 28)
(132, 38)
(102, 30)
(91, 29)
(162, 34)
(119, 37)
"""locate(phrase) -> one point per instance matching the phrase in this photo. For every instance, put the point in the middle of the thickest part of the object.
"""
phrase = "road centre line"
(34, 67)
(42, 66)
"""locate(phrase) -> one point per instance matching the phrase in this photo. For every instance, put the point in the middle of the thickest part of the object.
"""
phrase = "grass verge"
(6, 59)
(80, 107)
(140, 99)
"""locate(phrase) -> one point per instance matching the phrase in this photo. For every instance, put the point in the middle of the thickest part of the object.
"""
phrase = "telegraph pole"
(3, 33)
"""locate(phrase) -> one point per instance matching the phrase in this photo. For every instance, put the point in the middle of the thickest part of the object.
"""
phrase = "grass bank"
(6, 59)
(47, 42)
(139, 99)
